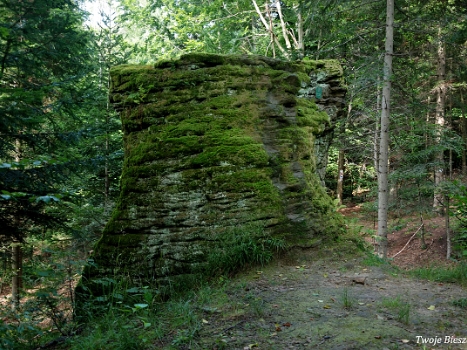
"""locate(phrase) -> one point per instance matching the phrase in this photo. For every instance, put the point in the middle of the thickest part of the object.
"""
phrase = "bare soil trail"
(327, 304)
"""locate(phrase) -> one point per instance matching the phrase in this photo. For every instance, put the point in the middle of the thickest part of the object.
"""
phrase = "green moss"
(250, 154)
(309, 115)
(203, 59)
(213, 142)
(128, 77)
(331, 67)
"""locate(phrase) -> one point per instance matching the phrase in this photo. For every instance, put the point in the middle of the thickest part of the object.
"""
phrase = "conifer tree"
(43, 55)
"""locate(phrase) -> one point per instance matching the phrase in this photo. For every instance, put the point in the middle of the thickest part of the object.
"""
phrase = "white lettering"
(448, 339)
(429, 340)
(451, 339)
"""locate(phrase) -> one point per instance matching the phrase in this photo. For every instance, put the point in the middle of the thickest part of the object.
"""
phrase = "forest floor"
(339, 302)
(334, 297)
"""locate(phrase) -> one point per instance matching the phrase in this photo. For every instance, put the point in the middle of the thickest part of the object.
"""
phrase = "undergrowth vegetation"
(242, 247)
(454, 274)
(399, 307)
(132, 316)
(124, 315)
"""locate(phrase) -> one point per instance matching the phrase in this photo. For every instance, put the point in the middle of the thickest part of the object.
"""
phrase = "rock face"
(213, 143)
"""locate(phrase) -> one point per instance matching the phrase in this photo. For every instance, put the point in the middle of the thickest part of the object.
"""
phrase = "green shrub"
(459, 195)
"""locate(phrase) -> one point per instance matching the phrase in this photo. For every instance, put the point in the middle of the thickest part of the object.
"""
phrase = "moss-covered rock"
(212, 143)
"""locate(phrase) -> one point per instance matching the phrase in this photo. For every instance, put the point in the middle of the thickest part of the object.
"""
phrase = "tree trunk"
(448, 232)
(107, 150)
(340, 177)
(464, 137)
(106, 169)
(284, 28)
(269, 28)
(16, 266)
(439, 124)
(382, 246)
(301, 41)
(16, 257)
(376, 134)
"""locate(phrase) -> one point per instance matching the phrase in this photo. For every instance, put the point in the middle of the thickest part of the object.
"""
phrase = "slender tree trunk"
(301, 41)
(106, 168)
(464, 137)
(270, 29)
(340, 177)
(383, 169)
(341, 159)
(422, 224)
(107, 149)
(16, 280)
(16, 256)
(283, 26)
(440, 121)
(376, 134)
(448, 232)
(447, 199)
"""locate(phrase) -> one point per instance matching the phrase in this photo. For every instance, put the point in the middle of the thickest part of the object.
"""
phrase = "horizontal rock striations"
(217, 144)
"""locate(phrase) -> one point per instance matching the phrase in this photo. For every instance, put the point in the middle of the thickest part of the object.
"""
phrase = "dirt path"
(334, 305)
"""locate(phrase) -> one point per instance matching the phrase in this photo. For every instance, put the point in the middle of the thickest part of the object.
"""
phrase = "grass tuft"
(399, 306)
(462, 303)
(347, 299)
(456, 274)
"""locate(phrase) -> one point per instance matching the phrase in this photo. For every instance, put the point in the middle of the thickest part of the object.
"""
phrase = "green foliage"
(19, 332)
(347, 300)
(244, 246)
(48, 283)
(358, 177)
(43, 62)
(458, 193)
(462, 303)
(454, 274)
(400, 306)
(143, 322)
(374, 260)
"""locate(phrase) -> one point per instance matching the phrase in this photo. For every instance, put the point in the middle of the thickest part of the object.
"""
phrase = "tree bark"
(269, 28)
(16, 257)
(376, 134)
(16, 266)
(284, 28)
(301, 42)
(383, 169)
(439, 124)
(340, 176)
(448, 232)
(464, 136)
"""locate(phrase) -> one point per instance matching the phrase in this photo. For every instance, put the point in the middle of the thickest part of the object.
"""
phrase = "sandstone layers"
(212, 143)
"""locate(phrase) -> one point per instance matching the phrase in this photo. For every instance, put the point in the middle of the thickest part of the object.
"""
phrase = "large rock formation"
(216, 143)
